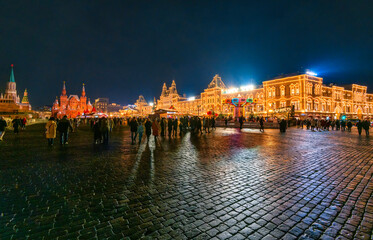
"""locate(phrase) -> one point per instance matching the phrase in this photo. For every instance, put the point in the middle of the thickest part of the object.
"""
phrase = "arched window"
(292, 91)
(295, 103)
(282, 90)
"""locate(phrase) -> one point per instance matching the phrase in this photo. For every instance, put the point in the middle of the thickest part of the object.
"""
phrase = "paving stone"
(228, 184)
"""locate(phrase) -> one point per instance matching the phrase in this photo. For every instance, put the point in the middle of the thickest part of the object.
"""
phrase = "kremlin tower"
(10, 101)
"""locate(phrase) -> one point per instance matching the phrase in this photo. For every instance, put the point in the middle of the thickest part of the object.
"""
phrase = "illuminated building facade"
(10, 101)
(101, 104)
(306, 92)
(71, 106)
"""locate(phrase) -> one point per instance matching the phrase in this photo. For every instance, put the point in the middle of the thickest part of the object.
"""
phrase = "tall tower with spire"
(11, 90)
(173, 88)
(63, 97)
(164, 90)
(83, 99)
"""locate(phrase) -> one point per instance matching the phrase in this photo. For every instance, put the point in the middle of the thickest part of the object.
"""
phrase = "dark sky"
(121, 49)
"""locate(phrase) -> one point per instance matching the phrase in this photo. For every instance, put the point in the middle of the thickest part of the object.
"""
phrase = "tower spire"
(83, 91)
(64, 89)
(11, 74)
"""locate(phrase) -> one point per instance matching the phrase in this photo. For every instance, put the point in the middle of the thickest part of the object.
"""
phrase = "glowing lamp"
(191, 98)
(311, 73)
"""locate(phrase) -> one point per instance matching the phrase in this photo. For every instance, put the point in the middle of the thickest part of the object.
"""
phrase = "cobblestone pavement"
(225, 185)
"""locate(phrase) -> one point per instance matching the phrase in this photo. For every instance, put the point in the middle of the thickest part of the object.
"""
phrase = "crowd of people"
(169, 126)
(17, 123)
(314, 124)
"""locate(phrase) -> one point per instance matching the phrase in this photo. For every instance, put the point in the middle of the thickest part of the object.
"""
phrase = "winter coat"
(3, 125)
(50, 129)
(155, 127)
(140, 129)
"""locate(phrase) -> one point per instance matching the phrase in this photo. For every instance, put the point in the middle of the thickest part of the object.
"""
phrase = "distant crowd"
(171, 127)
(337, 125)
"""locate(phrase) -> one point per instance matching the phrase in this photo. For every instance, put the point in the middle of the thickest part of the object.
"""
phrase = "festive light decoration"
(240, 102)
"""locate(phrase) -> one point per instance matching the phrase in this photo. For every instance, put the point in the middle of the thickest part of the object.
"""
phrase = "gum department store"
(306, 92)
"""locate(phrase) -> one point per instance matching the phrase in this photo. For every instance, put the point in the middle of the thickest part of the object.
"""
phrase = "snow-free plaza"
(228, 184)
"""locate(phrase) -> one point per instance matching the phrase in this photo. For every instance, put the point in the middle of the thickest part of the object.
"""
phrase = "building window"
(316, 106)
(282, 88)
(283, 104)
(297, 89)
(295, 104)
(309, 88)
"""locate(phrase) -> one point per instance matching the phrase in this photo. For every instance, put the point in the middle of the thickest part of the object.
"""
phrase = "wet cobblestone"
(225, 185)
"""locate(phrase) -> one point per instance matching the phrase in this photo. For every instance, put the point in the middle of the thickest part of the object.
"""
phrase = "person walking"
(174, 127)
(313, 124)
(140, 131)
(97, 138)
(199, 125)
(104, 127)
(226, 122)
(359, 126)
(181, 126)
(261, 123)
(349, 126)
(148, 129)
(241, 121)
(169, 127)
(3, 126)
(16, 123)
(337, 125)
(50, 131)
(24, 121)
(133, 127)
(366, 125)
(63, 127)
(343, 125)
(155, 128)
(213, 123)
(163, 125)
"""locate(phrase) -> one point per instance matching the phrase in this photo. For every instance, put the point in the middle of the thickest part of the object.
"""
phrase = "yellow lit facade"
(307, 93)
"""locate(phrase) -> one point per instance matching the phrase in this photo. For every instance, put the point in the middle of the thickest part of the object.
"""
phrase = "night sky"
(122, 49)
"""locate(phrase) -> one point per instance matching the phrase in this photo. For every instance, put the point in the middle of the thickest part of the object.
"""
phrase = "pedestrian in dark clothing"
(241, 121)
(226, 122)
(261, 122)
(213, 123)
(283, 125)
(337, 125)
(3, 126)
(148, 129)
(104, 126)
(199, 125)
(366, 125)
(133, 127)
(96, 132)
(359, 126)
(169, 126)
(163, 126)
(181, 127)
(174, 127)
(16, 123)
(63, 128)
